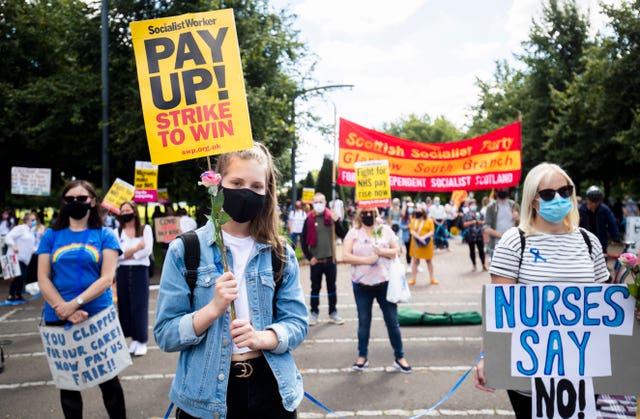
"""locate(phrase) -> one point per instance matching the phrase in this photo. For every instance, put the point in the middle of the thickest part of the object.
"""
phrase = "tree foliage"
(579, 97)
(51, 84)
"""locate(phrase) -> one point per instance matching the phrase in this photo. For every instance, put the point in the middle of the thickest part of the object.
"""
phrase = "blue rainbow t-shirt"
(76, 260)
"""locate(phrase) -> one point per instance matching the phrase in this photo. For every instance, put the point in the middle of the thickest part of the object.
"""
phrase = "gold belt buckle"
(247, 369)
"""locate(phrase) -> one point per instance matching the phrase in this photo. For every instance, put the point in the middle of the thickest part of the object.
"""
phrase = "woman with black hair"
(77, 261)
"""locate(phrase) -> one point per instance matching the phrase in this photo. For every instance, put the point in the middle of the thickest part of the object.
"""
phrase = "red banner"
(493, 160)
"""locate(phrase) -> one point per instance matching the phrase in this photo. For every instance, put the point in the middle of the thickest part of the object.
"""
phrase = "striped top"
(549, 258)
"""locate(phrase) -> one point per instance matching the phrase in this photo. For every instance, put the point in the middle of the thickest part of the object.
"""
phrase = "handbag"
(397, 288)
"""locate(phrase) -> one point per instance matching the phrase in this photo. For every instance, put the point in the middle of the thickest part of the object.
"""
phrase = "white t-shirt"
(141, 257)
(241, 249)
(437, 212)
(549, 258)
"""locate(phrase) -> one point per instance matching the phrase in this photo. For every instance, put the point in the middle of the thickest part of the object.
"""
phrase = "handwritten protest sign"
(307, 195)
(632, 232)
(167, 229)
(191, 85)
(119, 192)
(559, 338)
(373, 188)
(10, 266)
(489, 161)
(30, 181)
(88, 353)
(145, 182)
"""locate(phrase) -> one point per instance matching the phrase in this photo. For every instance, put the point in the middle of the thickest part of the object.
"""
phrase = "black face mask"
(242, 205)
(367, 220)
(125, 218)
(503, 194)
(77, 210)
(419, 214)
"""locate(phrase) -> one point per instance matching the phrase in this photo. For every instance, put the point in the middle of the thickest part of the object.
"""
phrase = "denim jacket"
(200, 384)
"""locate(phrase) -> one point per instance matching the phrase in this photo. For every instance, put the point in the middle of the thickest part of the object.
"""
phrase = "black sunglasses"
(79, 198)
(548, 194)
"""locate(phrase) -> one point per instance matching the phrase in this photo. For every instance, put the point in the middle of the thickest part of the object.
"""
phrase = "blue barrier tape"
(424, 412)
(453, 389)
(16, 303)
(320, 295)
(166, 415)
(320, 405)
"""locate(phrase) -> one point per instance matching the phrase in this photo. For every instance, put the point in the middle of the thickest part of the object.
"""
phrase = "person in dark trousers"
(596, 217)
(318, 247)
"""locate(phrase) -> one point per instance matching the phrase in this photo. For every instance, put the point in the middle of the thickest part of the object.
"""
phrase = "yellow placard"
(307, 195)
(373, 188)
(191, 85)
(119, 192)
(145, 181)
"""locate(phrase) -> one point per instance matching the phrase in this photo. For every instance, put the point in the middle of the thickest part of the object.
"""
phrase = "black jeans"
(253, 396)
(133, 301)
(472, 251)
(330, 271)
(112, 397)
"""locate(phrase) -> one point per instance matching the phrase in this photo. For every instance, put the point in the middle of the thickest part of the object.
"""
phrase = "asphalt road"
(439, 355)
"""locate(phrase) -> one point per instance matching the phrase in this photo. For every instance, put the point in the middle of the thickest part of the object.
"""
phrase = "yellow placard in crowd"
(146, 182)
(373, 188)
(191, 85)
(119, 192)
(307, 195)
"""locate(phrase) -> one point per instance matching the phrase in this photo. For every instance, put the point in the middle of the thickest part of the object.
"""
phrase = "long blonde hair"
(263, 228)
(528, 214)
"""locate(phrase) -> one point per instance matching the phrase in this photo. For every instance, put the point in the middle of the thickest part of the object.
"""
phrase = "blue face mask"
(33, 223)
(473, 208)
(555, 210)
(410, 210)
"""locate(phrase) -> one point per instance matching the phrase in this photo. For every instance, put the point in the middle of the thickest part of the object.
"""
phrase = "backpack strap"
(587, 240)
(191, 259)
(522, 245)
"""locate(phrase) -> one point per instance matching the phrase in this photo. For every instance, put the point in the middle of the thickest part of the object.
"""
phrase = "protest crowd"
(217, 301)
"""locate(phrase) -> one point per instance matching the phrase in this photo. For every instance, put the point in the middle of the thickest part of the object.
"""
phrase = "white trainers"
(313, 319)
(335, 318)
(133, 346)
(141, 349)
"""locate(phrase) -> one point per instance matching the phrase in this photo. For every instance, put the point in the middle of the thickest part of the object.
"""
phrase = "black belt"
(244, 369)
(324, 260)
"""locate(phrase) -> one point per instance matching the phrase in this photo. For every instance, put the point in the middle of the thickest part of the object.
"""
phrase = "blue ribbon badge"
(536, 255)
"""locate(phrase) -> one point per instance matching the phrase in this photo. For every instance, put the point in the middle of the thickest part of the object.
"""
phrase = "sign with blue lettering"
(560, 338)
(88, 353)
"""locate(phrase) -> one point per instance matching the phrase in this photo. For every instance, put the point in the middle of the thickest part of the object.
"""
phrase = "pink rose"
(210, 178)
(628, 259)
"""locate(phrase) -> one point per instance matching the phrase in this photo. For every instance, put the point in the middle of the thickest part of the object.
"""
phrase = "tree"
(422, 129)
(50, 79)
(552, 59)
(51, 86)
(598, 113)
(323, 183)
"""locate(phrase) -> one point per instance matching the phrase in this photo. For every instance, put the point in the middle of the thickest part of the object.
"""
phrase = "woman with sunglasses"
(555, 249)
(77, 261)
(136, 241)
(369, 249)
